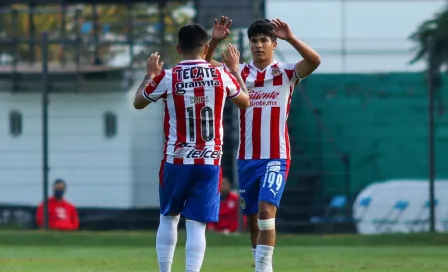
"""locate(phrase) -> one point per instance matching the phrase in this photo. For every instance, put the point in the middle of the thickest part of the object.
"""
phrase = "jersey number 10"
(206, 121)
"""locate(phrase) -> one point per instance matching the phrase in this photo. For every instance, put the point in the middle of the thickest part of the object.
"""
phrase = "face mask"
(58, 194)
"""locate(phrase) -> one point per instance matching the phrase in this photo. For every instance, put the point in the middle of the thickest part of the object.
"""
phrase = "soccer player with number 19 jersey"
(194, 93)
(264, 150)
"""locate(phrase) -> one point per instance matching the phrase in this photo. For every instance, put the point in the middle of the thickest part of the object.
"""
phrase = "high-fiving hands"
(154, 65)
(231, 58)
(282, 30)
(221, 29)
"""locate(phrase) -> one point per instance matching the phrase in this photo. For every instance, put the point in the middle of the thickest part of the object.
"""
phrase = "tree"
(436, 29)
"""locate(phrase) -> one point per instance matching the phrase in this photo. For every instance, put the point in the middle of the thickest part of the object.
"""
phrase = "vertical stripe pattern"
(263, 126)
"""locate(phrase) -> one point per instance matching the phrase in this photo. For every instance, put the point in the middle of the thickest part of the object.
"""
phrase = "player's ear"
(178, 49)
(274, 45)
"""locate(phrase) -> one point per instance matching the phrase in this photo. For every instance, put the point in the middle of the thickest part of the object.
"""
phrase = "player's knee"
(263, 215)
(266, 210)
(266, 224)
(266, 214)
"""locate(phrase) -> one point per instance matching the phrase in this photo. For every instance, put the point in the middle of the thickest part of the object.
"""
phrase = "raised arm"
(231, 58)
(311, 59)
(221, 30)
(153, 68)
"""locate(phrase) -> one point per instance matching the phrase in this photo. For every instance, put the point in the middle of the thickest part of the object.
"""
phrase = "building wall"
(146, 152)
(100, 171)
(373, 33)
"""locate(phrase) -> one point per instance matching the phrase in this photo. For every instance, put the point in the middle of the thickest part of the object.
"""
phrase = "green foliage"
(436, 29)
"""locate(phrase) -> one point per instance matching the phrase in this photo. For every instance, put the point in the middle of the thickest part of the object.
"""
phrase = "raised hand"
(231, 58)
(221, 29)
(281, 29)
(154, 65)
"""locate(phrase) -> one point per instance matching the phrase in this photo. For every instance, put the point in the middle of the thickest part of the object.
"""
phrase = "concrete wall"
(146, 152)
(120, 171)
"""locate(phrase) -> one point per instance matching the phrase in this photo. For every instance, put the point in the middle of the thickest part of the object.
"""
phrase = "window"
(110, 124)
(15, 123)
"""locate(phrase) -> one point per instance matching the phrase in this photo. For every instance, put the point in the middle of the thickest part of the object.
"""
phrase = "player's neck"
(192, 57)
(260, 65)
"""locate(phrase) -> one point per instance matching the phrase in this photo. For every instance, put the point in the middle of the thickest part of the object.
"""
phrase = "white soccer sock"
(166, 241)
(254, 253)
(263, 261)
(195, 247)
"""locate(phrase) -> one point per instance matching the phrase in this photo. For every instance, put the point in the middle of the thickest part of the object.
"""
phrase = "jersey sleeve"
(157, 88)
(231, 85)
(290, 70)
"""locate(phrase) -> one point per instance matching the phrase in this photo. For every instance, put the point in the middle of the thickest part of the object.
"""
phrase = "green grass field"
(122, 252)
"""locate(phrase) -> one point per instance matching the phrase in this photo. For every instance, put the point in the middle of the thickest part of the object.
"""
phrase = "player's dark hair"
(261, 27)
(192, 38)
(59, 181)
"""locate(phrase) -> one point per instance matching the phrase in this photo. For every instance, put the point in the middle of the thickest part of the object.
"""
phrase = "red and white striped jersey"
(194, 93)
(263, 128)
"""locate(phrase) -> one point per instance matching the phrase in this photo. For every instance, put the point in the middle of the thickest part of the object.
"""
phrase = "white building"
(119, 169)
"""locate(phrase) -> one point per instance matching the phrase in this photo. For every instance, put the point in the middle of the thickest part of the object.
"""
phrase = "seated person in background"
(228, 211)
(62, 215)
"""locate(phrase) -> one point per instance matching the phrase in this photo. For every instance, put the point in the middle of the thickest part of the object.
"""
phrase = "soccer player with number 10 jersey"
(264, 150)
(194, 93)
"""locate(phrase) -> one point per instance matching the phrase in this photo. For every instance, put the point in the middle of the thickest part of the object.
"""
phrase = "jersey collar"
(251, 65)
(193, 62)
